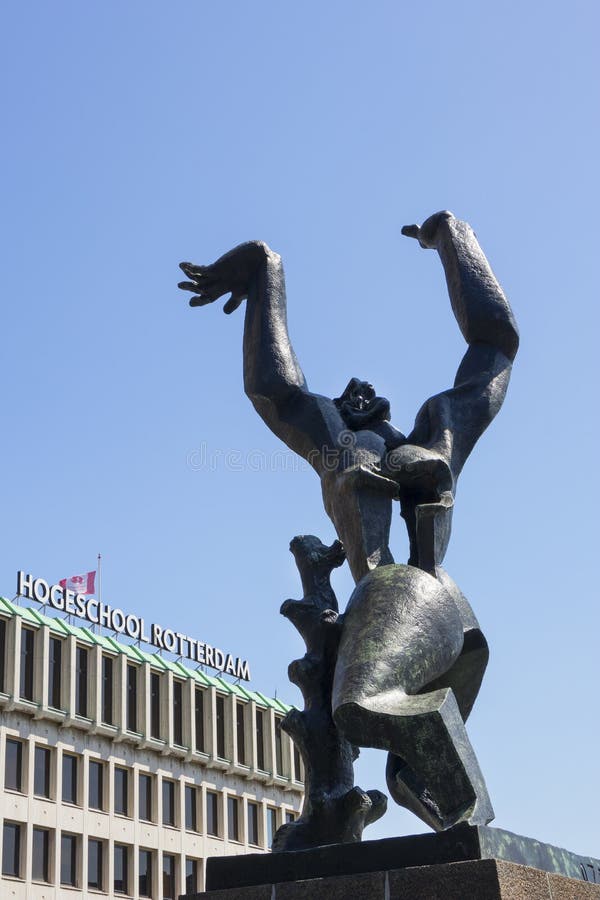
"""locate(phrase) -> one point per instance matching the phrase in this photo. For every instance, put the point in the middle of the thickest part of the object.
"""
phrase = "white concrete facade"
(143, 770)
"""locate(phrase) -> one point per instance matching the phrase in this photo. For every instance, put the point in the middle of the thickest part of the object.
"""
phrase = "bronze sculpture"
(410, 654)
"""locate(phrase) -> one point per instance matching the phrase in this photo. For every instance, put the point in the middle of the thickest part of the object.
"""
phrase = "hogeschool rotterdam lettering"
(114, 619)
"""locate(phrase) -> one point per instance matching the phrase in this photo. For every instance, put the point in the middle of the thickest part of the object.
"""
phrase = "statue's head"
(360, 407)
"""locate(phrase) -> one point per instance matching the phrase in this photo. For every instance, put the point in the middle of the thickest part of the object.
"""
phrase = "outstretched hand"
(427, 234)
(209, 283)
(231, 274)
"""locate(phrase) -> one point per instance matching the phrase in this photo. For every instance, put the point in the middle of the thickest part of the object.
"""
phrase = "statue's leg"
(402, 632)
(440, 780)
(359, 504)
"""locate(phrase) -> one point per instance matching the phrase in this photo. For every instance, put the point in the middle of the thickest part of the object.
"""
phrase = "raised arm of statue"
(452, 421)
(449, 424)
(273, 379)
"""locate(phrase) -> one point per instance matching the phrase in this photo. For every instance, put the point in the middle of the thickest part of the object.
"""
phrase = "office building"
(122, 770)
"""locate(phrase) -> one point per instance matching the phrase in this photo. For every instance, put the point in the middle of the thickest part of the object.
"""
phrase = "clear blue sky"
(139, 134)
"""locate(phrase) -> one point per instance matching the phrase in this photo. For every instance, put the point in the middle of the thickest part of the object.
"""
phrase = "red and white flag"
(81, 584)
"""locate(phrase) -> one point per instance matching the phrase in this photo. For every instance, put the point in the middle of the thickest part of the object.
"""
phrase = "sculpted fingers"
(193, 271)
(204, 293)
(230, 274)
(204, 284)
(234, 301)
(201, 300)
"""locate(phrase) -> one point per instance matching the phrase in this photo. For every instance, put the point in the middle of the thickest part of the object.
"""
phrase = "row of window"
(119, 801)
(242, 723)
(150, 878)
(82, 682)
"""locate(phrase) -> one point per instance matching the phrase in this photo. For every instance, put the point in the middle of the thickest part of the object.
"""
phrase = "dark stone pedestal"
(464, 863)
(486, 879)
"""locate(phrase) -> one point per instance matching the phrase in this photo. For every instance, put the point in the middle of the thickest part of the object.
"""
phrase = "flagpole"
(99, 581)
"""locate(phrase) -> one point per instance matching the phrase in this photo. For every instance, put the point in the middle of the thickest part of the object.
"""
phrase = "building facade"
(122, 771)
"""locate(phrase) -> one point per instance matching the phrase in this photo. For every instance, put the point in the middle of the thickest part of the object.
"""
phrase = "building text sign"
(114, 619)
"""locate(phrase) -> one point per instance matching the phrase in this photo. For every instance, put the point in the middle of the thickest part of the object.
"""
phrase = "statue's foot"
(409, 791)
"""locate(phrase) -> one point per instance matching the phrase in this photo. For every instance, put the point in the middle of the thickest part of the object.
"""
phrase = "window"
(121, 884)
(199, 719)
(40, 855)
(240, 709)
(54, 673)
(41, 771)
(233, 818)
(278, 746)
(260, 739)
(27, 646)
(68, 859)
(121, 792)
(81, 682)
(220, 727)
(2, 654)
(132, 675)
(271, 825)
(212, 813)
(191, 875)
(178, 712)
(95, 867)
(11, 849)
(145, 874)
(298, 774)
(290, 817)
(96, 785)
(191, 807)
(155, 705)
(13, 766)
(145, 798)
(168, 799)
(168, 877)
(107, 690)
(253, 823)
(69, 778)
